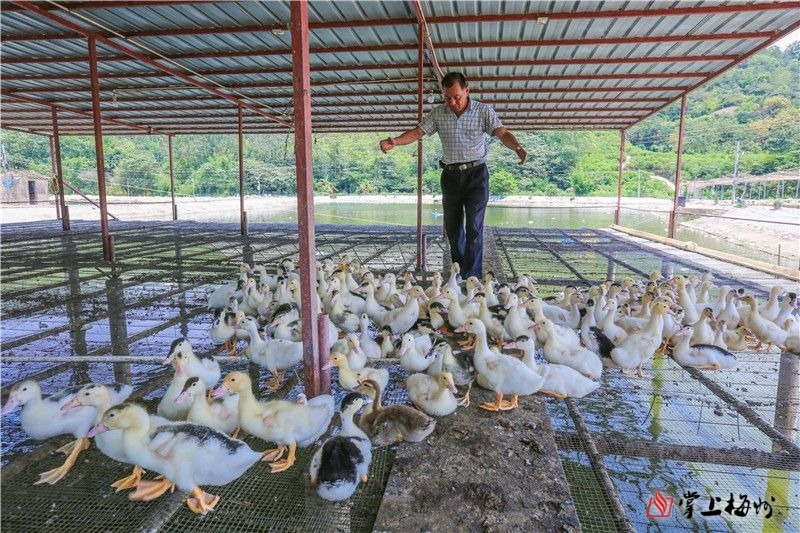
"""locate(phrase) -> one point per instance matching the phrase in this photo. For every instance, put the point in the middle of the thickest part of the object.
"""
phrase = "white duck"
(282, 422)
(219, 414)
(557, 351)
(223, 329)
(43, 418)
(349, 379)
(203, 366)
(411, 358)
(342, 461)
(102, 398)
(706, 356)
(356, 358)
(187, 455)
(610, 329)
(764, 330)
(560, 381)
(167, 407)
(769, 310)
(368, 345)
(503, 374)
(345, 320)
(276, 355)
(402, 319)
(434, 395)
(792, 329)
(703, 332)
(641, 345)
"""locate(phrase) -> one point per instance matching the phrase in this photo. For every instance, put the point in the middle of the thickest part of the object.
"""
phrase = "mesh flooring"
(157, 293)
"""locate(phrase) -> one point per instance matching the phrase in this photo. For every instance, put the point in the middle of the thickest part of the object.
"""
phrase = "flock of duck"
(192, 441)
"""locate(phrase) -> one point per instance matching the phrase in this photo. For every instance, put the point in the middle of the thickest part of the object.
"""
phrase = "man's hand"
(387, 144)
(523, 155)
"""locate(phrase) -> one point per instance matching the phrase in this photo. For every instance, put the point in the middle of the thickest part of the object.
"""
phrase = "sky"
(789, 39)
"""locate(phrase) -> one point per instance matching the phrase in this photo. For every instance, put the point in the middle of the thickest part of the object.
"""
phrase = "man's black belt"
(460, 166)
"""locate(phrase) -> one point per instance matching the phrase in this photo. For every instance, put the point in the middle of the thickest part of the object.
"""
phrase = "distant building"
(24, 187)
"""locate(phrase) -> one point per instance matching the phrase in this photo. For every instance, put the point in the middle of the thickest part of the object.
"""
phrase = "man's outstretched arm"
(509, 141)
(407, 137)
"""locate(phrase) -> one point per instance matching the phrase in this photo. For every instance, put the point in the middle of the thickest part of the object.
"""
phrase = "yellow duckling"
(349, 378)
(285, 423)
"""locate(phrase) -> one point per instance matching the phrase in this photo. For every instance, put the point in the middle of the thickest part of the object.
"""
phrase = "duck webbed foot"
(276, 381)
(55, 475)
(641, 374)
(509, 405)
(464, 400)
(493, 406)
(150, 490)
(468, 344)
(202, 502)
(273, 454)
(129, 482)
(286, 464)
(558, 395)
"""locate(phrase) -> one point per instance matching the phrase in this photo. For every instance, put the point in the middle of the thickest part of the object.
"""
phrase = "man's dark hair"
(452, 78)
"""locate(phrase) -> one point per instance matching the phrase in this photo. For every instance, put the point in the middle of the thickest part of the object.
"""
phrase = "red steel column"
(58, 171)
(305, 195)
(242, 214)
(673, 216)
(172, 177)
(420, 95)
(108, 247)
(619, 177)
(53, 166)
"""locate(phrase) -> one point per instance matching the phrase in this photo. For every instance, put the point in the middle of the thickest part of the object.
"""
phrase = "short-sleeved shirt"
(463, 138)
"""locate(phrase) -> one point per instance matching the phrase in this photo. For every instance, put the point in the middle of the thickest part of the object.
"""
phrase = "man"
(462, 123)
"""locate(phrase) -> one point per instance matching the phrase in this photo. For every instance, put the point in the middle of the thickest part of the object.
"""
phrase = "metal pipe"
(324, 384)
(420, 96)
(305, 191)
(55, 176)
(619, 177)
(172, 177)
(98, 148)
(242, 223)
(673, 217)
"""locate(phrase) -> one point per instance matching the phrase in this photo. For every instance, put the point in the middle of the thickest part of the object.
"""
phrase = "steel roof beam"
(346, 68)
(483, 18)
(426, 36)
(132, 53)
(34, 101)
(459, 45)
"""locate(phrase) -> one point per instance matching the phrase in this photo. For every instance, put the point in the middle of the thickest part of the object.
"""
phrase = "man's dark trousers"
(465, 194)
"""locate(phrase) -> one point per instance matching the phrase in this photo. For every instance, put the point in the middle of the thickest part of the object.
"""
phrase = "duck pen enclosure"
(689, 448)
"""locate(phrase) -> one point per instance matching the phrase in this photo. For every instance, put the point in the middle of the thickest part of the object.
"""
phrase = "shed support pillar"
(420, 65)
(242, 214)
(172, 177)
(108, 242)
(673, 216)
(617, 213)
(305, 196)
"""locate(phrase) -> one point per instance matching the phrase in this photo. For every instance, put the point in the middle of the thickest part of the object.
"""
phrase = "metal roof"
(542, 64)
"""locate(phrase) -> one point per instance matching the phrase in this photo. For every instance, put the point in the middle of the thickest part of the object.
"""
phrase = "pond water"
(515, 217)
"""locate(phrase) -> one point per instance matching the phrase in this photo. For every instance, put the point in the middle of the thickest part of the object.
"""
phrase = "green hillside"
(756, 103)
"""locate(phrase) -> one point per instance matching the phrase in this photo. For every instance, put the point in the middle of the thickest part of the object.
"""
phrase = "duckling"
(189, 455)
(412, 359)
(436, 286)
(588, 322)
(221, 414)
(604, 346)
(342, 461)
(555, 350)
(453, 280)
(218, 296)
(345, 320)
(276, 355)
(282, 422)
(769, 310)
(434, 395)
(372, 308)
(402, 319)
(223, 330)
(560, 381)
(501, 373)
(703, 332)
(356, 358)
(435, 312)
(102, 398)
(203, 366)
(387, 344)
(787, 307)
(792, 329)
(764, 330)
(459, 368)
(641, 345)
(736, 340)
(608, 327)
(167, 407)
(705, 356)
(43, 418)
(368, 345)
(394, 423)
(349, 378)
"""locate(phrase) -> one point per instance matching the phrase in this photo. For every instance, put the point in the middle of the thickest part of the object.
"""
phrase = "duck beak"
(509, 345)
(75, 402)
(99, 428)
(460, 329)
(10, 405)
(180, 398)
(327, 366)
(220, 391)
(452, 388)
(168, 360)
